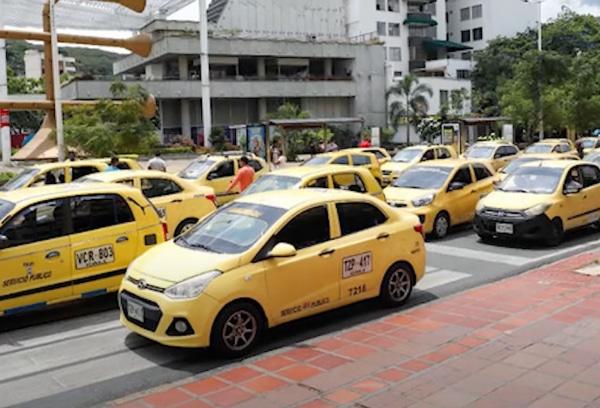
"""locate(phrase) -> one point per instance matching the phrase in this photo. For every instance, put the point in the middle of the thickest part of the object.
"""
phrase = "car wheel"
(184, 226)
(237, 329)
(441, 225)
(556, 233)
(397, 285)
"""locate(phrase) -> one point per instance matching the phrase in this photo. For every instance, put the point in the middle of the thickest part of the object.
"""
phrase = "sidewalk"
(529, 341)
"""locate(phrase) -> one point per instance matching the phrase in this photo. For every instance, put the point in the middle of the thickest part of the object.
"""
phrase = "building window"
(465, 36)
(394, 5)
(380, 5)
(395, 54)
(462, 73)
(394, 29)
(397, 74)
(478, 34)
(443, 98)
(465, 14)
(381, 28)
(466, 56)
(477, 11)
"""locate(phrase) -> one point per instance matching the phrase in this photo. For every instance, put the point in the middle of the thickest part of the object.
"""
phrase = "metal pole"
(60, 142)
(539, 27)
(205, 73)
(4, 131)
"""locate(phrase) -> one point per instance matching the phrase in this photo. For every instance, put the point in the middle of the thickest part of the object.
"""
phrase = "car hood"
(395, 166)
(405, 194)
(514, 201)
(171, 263)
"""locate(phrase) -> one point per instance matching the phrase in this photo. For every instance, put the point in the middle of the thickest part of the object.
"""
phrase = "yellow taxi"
(562, 147)
(382, 154)
(347, 178)
(62, 172)
(218, 170)
(497, 153)
(348, 157)
(60, 243)
(516, 163)
(267, 259)
(409, 156)
(589, 144)
(443, 193)
(541, 200)
(180, 202)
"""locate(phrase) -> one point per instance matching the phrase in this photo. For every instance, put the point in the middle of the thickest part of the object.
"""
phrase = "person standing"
(114, 165)
(244, 177)
(365, 143)
(72, 156)
(157, 163)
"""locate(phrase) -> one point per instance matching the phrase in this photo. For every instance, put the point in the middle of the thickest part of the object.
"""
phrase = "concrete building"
(34, 64)
(250, 76)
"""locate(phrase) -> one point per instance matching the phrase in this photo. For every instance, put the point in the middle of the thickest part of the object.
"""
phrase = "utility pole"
(4, 127)
(205, 73)
(539, 46)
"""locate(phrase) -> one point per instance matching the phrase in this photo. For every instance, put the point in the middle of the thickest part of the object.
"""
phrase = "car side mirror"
(456, 185)
(572, 189)
(4, 243)
(282, 250)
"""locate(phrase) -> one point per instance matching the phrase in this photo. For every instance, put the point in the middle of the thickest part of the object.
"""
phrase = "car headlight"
(479, 207)
(192, 287)
(423, 201)
(537, 209)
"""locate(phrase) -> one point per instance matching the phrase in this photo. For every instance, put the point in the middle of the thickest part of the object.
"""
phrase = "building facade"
(34, 64)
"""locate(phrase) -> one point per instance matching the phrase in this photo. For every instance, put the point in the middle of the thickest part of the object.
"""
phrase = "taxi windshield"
(317, 161)
(480, 152)
(513, 165)
(5, 208)
(271, 182)
(21, 180)
(232, 229)
(539, 148)
(196, 169)
(424, 178)
(535, 180)
(407, 155)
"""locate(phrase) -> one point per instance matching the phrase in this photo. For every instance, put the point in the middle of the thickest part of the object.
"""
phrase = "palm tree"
(413, 102)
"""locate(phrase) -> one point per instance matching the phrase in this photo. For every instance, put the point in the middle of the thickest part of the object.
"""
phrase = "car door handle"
(383, 235)
(122, 239)
(326, 252)
(53, 254)
(176, 201)
(473, 191)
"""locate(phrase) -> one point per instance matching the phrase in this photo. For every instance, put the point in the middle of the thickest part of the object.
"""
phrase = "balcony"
(419, 20)
(416, 65)
(448, 46)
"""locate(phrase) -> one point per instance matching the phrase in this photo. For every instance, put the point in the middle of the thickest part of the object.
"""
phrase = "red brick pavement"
(528, 341)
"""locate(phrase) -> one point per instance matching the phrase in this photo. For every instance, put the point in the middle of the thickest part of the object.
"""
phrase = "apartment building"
(34, 64)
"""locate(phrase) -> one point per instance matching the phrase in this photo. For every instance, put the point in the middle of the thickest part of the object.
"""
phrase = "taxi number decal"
(162, 212)
(356, 265)
(88, 258)
(357, 290)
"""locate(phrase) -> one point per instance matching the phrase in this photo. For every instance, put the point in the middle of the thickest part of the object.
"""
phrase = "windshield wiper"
(202, 246)
(419, 187)
(517, 190)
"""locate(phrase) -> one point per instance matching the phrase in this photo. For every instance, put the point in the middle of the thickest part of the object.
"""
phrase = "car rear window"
(196, 169)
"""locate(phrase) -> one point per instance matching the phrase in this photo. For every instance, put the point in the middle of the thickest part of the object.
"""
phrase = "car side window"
(511, 150)
(225, 169)
(123, 166)
(556, 149)
(428, 155)
(99, 211)
(361, 160)
(597, 143)
(356, 217)
(463, 175)
(481, 172)
(377, 153)
(308, 228)
(78, 172)
(501, 152)
(255, 164)
(443, 153)
(38, 222)
(341, 160)
(127, 182)
(348, 182)
(320, 182)
(564, 148)
(158, 187)
(590, 175)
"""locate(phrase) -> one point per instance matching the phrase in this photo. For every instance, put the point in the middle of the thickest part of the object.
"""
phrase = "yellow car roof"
(307, 171)
(493, 143)
(294, 198)
(61, 190)
(445, 162)
(112, 176)
(554, 141)
(552, 163)
(57, 165)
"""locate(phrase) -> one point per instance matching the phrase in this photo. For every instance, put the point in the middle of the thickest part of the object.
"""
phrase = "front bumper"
(511, 224)
(161, 314)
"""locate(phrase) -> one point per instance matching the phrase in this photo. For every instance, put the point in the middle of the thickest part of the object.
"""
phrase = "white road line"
(439, 278)
(479, 255)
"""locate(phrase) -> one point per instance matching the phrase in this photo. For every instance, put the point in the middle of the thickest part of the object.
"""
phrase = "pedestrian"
(274, 155)
(280, 160)
(313, 149)
(114, 165)
(365, 143)
(244, 177)
(72, 156)
(579, 147)
(157, 163)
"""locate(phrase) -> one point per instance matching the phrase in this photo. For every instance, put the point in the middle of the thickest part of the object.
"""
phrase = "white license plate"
(504, 228)
(135, 311)
(90, 257)
(357, 265)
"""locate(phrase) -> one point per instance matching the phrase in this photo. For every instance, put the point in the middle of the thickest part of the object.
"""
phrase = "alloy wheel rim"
(239, 330)
(186, 228)
(441, 226)
(399, 286)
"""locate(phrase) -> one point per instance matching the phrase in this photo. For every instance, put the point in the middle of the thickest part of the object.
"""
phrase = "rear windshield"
(271, 182)
(317, 161)
(21, 180)
(5, 208)
(196, 169)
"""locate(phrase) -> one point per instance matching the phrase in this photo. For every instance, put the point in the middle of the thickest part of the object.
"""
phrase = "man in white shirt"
(157, 163)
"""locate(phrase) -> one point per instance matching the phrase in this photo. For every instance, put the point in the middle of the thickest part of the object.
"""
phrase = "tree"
(217, 138)
(458, 97)
(109, 128)
(429, 129)
(413, 102)
(24, 121)
(294, 140)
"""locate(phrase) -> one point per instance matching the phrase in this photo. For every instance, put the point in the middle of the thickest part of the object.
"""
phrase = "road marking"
(440, 278)
(430, 269)
(478, 255)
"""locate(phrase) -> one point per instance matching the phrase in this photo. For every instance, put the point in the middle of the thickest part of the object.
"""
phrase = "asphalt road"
(79, 356)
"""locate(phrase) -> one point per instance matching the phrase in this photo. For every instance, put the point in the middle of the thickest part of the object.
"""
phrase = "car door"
(576, 205)
(104, 242)
(219, 179)
(308, 282)
(318, 182)
(362, 238)
(35, 267)
(590, 177)
(460, 200)
(484, 183)
(165, 195)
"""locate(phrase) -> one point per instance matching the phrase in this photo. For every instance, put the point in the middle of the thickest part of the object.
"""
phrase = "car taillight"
(212, 198)
(419, 229)
(165, 231)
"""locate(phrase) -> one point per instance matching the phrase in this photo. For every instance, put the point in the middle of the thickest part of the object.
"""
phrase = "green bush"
(176, 150)
(7, 175)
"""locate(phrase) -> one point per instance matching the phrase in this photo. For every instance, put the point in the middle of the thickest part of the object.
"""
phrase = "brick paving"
(528, 341)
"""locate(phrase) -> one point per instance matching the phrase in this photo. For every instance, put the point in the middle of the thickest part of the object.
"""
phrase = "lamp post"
(539, 46)
(4, 127)
(205, 73)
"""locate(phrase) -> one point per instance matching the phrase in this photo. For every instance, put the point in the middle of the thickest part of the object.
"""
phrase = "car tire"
(185, 226)
(397, 285)
(441, 225)
(556, 233)
(225, 338)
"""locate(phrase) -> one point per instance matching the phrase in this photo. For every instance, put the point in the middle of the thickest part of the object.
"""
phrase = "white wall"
(33, 64)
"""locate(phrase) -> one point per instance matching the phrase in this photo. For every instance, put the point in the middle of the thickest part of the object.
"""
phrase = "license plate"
(135, 311)
(504, 228)
(90, 257)
(357, 265)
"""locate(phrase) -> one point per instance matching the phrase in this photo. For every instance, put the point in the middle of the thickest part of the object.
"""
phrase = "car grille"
(386, 172)
(398, 204)
(152, 312)
(136, 282)
(492, 212)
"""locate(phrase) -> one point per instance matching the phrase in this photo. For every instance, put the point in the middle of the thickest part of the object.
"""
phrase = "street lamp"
(205, 72)
(539, 45)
